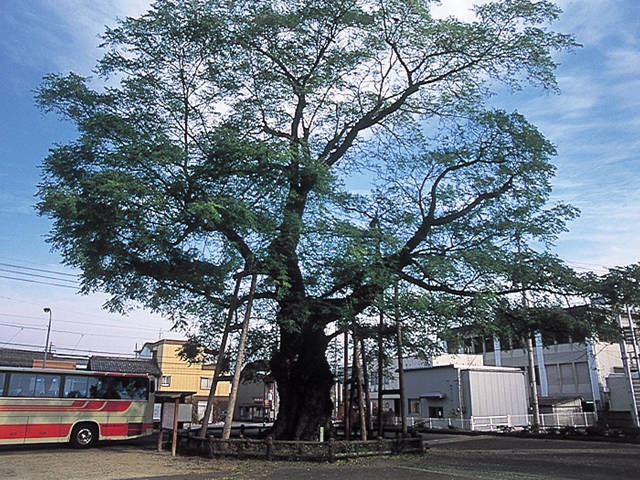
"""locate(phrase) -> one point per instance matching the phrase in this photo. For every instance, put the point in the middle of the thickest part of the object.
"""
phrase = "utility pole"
(46, 343)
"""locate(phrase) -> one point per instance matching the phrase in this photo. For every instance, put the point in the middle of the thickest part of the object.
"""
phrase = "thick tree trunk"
(304, 381)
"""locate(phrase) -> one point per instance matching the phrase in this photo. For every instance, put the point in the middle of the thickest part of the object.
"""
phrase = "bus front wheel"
(84, 435)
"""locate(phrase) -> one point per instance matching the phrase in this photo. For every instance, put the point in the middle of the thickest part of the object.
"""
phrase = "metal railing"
(504, 422)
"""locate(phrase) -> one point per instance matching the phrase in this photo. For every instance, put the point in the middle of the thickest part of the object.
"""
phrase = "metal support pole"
(634, 341)
(357, 376)
(226, 430)
(403, 406)
(347, 391)
(220, 359)
(627, 373)
(592, 363)
(380, 374)
(542, 369)
(535, 423)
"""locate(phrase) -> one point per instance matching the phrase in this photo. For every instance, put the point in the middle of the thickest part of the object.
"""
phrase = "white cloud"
(460, 9)
(62, 35)
(624, 62)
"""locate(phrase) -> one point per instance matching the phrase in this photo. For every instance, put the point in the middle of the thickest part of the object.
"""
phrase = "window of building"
(436, 412)
(205, 383)
(568, 378)
(489, 345)
(165, 381)
(553, 379)
(583, 377)
(414, 406)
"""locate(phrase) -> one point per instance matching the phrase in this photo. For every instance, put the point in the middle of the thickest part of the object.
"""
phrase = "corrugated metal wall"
(495, 393)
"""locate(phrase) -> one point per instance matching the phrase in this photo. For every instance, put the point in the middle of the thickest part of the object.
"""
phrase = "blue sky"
(594, 122)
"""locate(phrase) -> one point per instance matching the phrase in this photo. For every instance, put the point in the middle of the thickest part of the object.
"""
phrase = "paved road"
(461, 457)
(491, 457)
(451, 457)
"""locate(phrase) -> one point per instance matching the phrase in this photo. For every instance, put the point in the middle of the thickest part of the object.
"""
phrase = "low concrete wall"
(328, 451)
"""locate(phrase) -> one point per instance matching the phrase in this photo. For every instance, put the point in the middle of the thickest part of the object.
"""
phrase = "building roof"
(478, 368)
(29, 358)
(18, 358)
(163, 341)
(124, 365)
(10, 357)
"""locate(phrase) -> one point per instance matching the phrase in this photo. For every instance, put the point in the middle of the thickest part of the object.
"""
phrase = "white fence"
(503, 422)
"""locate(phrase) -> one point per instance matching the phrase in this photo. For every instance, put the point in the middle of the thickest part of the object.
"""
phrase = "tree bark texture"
(304, 380)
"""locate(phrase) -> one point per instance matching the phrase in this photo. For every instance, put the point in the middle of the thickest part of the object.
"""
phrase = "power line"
(60, 349)
(52, 272)
(35, 275)
(89, 323)
(44, 276)
(28, 327)
(55, 330)
(51, 284)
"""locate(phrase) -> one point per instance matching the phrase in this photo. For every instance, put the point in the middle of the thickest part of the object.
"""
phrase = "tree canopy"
(616, 289)
(333, 148)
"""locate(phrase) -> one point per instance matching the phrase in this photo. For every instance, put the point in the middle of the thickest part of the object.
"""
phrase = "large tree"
(333, 148)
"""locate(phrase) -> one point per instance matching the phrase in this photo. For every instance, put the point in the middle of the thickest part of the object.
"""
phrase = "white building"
(468, 397)
(581, 376)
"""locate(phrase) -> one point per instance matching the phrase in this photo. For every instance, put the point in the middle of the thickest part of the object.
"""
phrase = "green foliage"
(615, 289)
(554, 323)
(223, 135)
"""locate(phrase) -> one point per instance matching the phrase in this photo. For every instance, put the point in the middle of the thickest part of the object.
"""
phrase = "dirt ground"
(129, 461)
(108, 462)
(451, 457)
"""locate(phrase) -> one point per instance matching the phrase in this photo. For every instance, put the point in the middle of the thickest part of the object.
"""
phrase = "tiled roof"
(124, 365)
(18, 358)
(10, 357)
(27, 358)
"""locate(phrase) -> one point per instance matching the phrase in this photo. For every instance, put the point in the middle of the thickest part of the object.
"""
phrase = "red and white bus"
(80, 407)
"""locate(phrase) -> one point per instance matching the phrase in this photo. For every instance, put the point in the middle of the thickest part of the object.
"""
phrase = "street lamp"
(46, 344)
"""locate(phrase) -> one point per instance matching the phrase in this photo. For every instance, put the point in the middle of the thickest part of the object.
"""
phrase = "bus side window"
(47, 386)
(92, 386)
(134, 389)
(2, 377)
(138, 388)
(104, 387)
(22, 385)
(53, 388)
(75, 387)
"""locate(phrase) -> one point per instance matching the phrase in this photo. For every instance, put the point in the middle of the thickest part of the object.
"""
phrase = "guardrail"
(504, 422)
